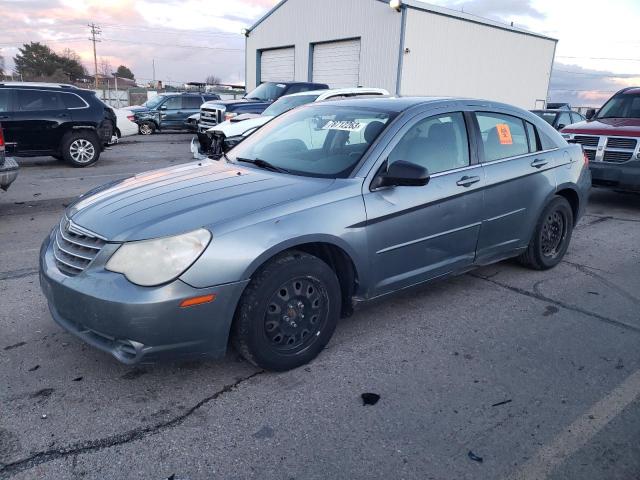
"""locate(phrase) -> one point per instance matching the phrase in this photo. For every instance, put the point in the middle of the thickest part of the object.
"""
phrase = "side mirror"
(590, 113)
(402, 174)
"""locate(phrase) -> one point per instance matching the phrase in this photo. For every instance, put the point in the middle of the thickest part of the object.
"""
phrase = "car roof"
(340, 91)
(631, 91)
(38, 85)
(392, 104)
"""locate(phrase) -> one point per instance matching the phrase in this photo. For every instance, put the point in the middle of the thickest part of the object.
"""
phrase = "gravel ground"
(535, 373)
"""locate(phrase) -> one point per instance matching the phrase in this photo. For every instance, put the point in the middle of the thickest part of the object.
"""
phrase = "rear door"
(190, 105)
(519, 178)
(420, 233)
(7, 119)
(37, 119)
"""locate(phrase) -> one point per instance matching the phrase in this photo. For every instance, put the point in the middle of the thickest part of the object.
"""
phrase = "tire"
(288, 312)
(551, 237)
(147, 128)
(80, 149)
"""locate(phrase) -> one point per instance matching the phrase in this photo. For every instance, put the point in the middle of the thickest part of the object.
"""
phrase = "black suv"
(169, 110)
(66, 122)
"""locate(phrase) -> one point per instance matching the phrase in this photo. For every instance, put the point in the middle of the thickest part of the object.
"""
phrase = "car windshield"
(153, 102)
(621, 106)
(546, 116)
(287, 103)
(317, 140)
(267, 92)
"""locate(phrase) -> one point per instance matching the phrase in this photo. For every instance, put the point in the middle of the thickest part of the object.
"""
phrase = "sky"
(188, 40)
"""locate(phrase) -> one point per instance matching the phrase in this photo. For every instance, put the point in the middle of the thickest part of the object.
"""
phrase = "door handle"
(467, 181)
(4, 117)
(63, 115)
(539, 163)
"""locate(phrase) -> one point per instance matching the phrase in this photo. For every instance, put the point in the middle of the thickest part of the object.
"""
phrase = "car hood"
(624, 127)
(226, 103)
(232, 129)
(181, 199)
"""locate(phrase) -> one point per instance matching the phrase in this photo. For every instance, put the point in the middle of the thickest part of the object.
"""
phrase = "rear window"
(5, 99)
(33, 100)
(191, 102)
(503, 136)
(71, 100)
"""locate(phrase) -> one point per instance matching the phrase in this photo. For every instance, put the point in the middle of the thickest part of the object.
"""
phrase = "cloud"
(504, 10)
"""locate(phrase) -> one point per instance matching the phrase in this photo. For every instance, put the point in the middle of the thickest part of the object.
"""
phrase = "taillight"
(1, 140)
(586, 158)
(131, 118)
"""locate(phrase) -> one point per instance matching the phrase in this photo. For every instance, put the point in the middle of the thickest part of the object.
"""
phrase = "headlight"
(230, 115)
(153, 262)
(231, 142)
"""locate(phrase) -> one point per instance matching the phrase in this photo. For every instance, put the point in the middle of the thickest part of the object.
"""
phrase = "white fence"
(113, 98)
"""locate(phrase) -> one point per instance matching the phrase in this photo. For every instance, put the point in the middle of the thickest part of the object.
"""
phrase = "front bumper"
(8, 172)
(137, 324)
(620, 176)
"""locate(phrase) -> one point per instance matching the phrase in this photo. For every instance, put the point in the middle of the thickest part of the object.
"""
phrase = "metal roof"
(427, 7)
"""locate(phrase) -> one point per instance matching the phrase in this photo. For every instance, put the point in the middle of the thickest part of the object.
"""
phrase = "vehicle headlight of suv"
(231, 142)
(150, 263)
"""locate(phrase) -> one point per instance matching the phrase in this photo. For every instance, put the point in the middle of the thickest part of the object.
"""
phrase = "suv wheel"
(80, 149)
(147, 128)
(288, 312)
(551, 237)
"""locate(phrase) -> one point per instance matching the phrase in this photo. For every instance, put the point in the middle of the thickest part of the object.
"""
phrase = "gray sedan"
(326, 207)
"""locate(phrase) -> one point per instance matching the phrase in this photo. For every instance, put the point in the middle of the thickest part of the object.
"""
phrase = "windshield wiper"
(262, 164)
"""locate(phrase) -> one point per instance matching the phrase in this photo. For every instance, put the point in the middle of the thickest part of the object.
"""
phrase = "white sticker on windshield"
(343, 125)
(281, 85)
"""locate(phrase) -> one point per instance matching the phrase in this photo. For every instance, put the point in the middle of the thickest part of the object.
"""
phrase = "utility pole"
(95, 30)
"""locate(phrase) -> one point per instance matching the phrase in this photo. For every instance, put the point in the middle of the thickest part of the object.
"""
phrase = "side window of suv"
(503, 136)
(192, 102)
(73, 101)
(5, 100)
(438, 143)
(174, 103)
(34, 100)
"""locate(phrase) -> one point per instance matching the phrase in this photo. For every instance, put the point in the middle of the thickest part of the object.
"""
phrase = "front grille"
(210, 116)
(626, 143)
(617, 157)
(591, 155)
(74, 249)
(587, 141)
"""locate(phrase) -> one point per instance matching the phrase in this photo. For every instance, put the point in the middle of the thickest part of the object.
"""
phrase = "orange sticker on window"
(504, 134)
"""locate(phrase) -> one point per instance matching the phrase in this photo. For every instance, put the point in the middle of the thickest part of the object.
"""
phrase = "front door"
(420, 233)
(171, 113)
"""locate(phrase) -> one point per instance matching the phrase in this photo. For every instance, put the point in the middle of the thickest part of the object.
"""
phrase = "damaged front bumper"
(8, 172)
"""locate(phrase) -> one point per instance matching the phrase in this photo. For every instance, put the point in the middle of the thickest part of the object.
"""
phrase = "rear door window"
(5, 100)
(71, 100)
(174, 103)
(192, 102)
(503, 136)
(38, 100)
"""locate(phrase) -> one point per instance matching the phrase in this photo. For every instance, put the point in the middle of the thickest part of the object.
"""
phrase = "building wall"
(302, 22)
(452, 57)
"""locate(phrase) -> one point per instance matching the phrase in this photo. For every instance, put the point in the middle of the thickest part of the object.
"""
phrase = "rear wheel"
(288, 312)
(81, 149)
(551, 237)
(147, 128)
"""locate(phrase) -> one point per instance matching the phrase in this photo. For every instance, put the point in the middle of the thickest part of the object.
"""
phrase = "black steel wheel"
(288, 312)
(551, 237)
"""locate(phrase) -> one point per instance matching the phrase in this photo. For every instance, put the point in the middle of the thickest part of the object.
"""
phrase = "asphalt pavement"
(500, 373)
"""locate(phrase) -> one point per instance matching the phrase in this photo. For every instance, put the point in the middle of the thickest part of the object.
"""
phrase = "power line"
(173, 45)
(578, 90)
(602, 58)
(606, 75)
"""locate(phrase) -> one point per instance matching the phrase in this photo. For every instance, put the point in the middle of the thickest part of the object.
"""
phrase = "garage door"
(337, 63)
(277, 65)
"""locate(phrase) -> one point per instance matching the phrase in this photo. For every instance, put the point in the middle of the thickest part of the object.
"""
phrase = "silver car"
(328, 206)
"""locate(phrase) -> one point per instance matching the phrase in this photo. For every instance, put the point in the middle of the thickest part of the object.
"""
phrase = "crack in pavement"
(594, 222)
(539, 296)
(588, 271)
(13, 274)
(609, 217)
(10, 469)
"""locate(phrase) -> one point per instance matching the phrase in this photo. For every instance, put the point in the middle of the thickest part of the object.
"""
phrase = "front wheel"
(147, 128)
(81, 149)
(551, 237)
(288, 312)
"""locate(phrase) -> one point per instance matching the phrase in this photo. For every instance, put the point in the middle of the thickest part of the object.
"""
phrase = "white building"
(414, 49)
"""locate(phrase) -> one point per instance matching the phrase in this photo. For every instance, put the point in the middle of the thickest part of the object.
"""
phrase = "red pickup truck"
(611, 140)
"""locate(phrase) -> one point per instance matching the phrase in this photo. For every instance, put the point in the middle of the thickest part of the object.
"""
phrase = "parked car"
(63, 121)
(125, 123)
(611, 140)
(169, 110)
(228, 134)
(559, 118)
(8, 165)
(255, 102)
(328, 206)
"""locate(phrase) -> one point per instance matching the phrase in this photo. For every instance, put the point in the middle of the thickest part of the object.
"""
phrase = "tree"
(212, 80)
(1, 66)
(104, 68)
(36, 61)
(124, 72)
